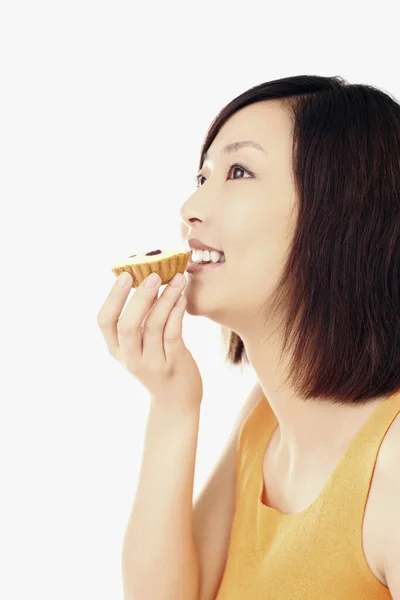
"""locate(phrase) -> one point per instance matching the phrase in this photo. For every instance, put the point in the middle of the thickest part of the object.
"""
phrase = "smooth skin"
(147, 340)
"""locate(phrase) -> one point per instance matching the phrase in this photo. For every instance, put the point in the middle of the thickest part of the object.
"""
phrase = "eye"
(231, 168)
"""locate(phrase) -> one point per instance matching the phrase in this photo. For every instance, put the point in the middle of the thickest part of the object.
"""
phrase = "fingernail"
(176, 281)
(124, 279)
(152, 280)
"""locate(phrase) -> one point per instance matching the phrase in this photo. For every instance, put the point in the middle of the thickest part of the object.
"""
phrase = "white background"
(103, 109)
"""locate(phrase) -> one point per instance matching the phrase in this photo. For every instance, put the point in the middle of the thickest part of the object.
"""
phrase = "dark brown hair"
(341, 283)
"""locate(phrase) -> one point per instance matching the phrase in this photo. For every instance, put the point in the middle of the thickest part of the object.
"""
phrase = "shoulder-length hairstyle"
(341, 283)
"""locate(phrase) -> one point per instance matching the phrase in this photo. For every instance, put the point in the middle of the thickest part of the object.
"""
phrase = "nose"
(197, 209)
(185, 230)
(189, 215)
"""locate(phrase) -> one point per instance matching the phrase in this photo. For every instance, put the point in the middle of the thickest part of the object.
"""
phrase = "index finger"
(109, 314)
(115, 301)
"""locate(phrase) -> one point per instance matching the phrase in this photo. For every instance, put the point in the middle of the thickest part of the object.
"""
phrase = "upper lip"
(195, 244)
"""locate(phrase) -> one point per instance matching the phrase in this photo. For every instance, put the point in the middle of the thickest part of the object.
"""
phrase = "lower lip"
(197, 268)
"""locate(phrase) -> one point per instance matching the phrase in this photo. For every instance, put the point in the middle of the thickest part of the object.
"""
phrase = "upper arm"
(389, 486)
(214, 509)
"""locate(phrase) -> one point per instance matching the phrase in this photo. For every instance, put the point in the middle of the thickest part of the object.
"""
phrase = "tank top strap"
(350, 482)
(346, 489)
(343, 498)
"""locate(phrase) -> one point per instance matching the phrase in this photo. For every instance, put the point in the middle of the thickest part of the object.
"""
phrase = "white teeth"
(214, 256)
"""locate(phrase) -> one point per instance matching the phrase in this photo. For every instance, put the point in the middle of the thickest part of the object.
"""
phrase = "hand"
(147, 341)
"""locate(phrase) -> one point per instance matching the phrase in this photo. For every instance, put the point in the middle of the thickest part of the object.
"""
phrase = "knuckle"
(172, 337)
(153, 325)
(101, 322)
(124, 329)
(156, 320)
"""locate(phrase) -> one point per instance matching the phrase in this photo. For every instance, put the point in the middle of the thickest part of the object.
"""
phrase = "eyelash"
(227, 173)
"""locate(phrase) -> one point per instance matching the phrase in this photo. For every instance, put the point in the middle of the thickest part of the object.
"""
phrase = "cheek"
(253, 278)
(262, 275)
(258, 237)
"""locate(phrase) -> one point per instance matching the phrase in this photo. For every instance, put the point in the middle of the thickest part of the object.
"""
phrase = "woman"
(299, 187)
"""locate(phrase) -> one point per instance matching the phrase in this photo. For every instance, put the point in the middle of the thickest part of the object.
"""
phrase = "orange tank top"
(315, 554)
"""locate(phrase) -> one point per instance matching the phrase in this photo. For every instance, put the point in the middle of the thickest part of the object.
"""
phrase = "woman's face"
(245, 211)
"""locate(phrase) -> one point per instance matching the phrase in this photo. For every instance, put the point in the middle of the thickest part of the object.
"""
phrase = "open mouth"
(196, 267)
(216, 258)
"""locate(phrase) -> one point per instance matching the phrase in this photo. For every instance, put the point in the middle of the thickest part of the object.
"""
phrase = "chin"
(196, 310)
(191, 308)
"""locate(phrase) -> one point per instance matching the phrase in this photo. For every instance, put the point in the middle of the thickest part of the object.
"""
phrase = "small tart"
(164, 262)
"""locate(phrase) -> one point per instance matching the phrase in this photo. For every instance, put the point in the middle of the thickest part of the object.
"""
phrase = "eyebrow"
(235, 146)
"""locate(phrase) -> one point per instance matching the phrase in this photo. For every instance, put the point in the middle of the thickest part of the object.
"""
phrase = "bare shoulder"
(214, 509)
(382, 511)
(388, 457)
(252, 399)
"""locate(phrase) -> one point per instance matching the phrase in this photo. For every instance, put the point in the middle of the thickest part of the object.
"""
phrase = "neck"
(308, 429)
